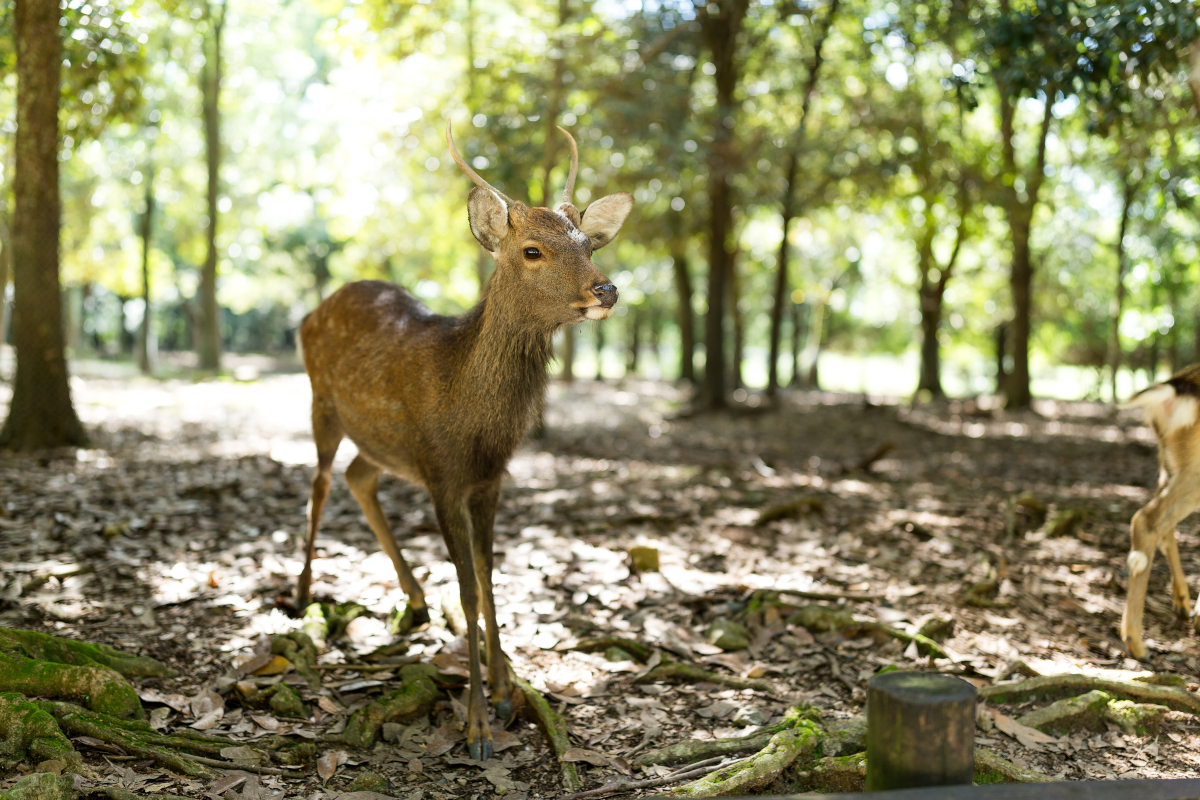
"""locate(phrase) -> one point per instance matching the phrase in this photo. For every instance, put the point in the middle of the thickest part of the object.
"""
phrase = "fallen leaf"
(327, 765)
(231, 781)
(276, 666)
(254, 663)
(415, 765)
(502, 740)
(175, 701)
(99, 744)
(329, 706)
(585, 755)
(209, 720)
(1031, 738)
(242, 755)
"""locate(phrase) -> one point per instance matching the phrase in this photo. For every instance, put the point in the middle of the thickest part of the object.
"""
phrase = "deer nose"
(607, 294)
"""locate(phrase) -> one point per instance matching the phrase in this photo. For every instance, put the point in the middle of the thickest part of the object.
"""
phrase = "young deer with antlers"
(444, 401)
(1173, 411)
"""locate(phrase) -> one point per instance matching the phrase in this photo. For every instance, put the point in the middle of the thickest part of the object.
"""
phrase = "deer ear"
(489, 218)
(604, 218)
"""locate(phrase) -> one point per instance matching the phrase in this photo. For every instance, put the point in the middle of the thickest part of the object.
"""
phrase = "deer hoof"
(504, 709)
(420, 616)
(1136, 648)
(480, 749)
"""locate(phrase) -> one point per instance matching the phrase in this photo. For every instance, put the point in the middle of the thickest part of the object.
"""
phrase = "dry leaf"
(329, 706)
(254, 663)
(415, 766)
(175, 701)
(209, 720)
(327, 765)
(1031, 738)
(276, 666)
(502, 740)
(231, 781)
(585, 755)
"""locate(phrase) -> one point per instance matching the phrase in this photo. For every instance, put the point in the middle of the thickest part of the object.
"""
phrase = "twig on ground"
(689, 773)
(674, 671)
(1174, 698)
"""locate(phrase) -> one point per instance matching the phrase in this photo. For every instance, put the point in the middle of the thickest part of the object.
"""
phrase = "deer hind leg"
(1180, 599)
(327, 434)
(483, 516)
(363, 477)
(455, 522)
(1153, 527)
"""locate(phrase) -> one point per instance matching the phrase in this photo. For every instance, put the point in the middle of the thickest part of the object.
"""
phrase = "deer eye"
(532, 252)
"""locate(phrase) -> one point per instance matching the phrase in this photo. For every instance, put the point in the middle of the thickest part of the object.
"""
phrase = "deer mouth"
(598, 312)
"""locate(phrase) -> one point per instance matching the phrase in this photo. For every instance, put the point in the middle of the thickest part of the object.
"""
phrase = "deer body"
(1173, 411)
(444, 401)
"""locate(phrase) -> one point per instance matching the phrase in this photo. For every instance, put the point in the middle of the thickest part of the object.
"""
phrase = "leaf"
(175, 701)
(231, 781)
(502, 740)
(99, 744)
(254, 663)
(587, 756)
(242, 755)
(209, 720)
(439, 747)
(326, 766)
(1031, 738)
(329, 706)
(276, 666)
(415, 766)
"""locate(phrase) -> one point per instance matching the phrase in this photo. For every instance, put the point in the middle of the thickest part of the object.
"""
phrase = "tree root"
(991, 768)
(598, 644)
(27, 730)
(553, 726)
(413, 699)
(836, 774)
(299, 649)
(43, 647)
(41, 786)
(800, 738)
(1091, 710)
(1048, 686)
(690, 751)
(676, 672)
(819, 619)
(281, 699)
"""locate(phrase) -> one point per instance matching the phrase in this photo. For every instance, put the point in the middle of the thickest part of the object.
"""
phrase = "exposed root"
(299, 649)
(819, 619)
(29, 732)
(281, 699)
(991, 768)
(113, 793)
(1091, 710)
(43, 647)
(552, 725)
(41, 786)
(414, 698)
(800, 738)
(1051, 685)
(598, 644)
(837, 774)
(690, 751)
(675, 672)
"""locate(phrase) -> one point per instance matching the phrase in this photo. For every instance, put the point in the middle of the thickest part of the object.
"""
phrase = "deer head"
(546, 254)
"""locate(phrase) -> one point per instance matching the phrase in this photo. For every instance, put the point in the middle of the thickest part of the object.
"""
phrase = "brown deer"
(1173, 411)
(444, 401)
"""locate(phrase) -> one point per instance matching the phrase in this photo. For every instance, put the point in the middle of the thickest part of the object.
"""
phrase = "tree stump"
(920, 731)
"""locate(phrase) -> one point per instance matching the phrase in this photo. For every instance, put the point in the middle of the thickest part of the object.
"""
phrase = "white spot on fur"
(1165, 409)
(1138, 562)
(598, 312)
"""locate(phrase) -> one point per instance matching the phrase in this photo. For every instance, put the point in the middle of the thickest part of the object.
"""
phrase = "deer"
(443, 402)
(1172, 409)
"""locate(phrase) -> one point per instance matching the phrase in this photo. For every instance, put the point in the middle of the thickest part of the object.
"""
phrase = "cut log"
(920, 731)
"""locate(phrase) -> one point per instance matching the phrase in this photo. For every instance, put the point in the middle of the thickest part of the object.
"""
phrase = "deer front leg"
(327, 435)
(483, 517)
(1141, 556)
(455, 522)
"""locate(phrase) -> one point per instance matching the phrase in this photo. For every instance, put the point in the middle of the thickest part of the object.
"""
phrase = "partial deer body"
(1173, 411)
(444, 401)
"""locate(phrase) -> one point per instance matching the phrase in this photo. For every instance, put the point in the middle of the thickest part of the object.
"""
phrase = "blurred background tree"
(905, 198)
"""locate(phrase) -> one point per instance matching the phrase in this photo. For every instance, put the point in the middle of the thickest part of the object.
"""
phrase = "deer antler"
(474, 176)
(569, 191)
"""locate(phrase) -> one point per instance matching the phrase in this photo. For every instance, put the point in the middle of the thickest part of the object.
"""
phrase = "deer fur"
(443, 402)
(1172, 410)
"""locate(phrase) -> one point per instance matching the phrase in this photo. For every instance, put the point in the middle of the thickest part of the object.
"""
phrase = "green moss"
(29, 732)
(413, 699)
(41, 786)
(43, 647)
(95, 686)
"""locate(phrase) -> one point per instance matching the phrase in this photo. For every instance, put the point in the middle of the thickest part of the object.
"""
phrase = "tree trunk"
(209, 316)
(781, 278)
(1001, 339)
(787, 207)
(568, 354)
(1193, 72)
(799, 314)
(720, 22)
(931, 351)
(599, 352)
(931, 295)
(41, 414)
(685, 316)
(635, 342)
(818, 335)
(143, 346)
(1114, 340)
(554, 101)
(5, 261)
(739, 338)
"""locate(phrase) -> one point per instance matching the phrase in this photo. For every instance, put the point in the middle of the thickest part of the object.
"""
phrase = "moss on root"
(299, 649)
(553, 726)
(41, 786)
(413, 699)
(43, 647)
(29, 732)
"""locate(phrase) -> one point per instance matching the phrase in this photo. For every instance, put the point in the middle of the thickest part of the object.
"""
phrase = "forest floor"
(176, 534)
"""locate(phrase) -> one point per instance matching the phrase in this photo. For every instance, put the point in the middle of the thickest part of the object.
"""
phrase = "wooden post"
(920, 731)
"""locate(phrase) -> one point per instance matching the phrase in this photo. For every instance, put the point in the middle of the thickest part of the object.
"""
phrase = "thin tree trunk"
(787, 207)
(635, 342)
(554, 101)
(143, 348)
(568, 354)
(1193, 72)
(781, 275)
(932, 294)
(1020, 219)
(799, 313)
(41, 414)
(720, 22)
(210, 332)
(818, 336)
(5, 261)
(739, 339)
(684, 313)
(1001, 339)
(1114, 340)
(599, 352)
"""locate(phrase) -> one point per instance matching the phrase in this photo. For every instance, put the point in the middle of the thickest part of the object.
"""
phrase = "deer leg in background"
(363, 477)
(1180, 598)
(483, 516)
(327, 434)
(1150, 525)
(455, 523)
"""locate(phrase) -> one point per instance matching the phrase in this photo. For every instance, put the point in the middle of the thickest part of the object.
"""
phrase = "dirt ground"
(176, 534)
